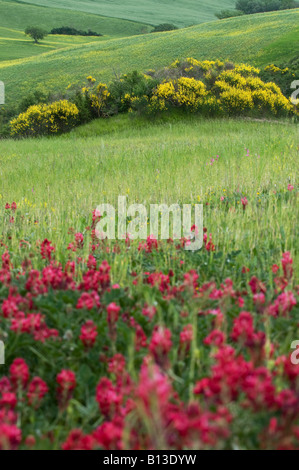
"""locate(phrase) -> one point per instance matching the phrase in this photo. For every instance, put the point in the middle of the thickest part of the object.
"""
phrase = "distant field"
(244, 39)
(15, 45)
(16, 16)
(181, 13)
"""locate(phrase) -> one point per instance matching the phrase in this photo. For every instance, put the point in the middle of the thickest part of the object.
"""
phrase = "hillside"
(181, 13)
(15, 45)
(17, 15)
(251, 38)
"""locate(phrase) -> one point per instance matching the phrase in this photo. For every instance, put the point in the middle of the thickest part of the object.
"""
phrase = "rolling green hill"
(244, 39)
(15, 45)
(182, 13)
(16, 16)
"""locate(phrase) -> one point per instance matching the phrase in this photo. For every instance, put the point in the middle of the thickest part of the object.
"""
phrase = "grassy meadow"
(18, 15)
(142, 344)
(146, 11)
(244, 39)
(15, 45)
(60, 180)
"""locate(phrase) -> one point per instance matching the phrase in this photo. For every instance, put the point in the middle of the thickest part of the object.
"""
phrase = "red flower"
(149, 311)
(10, 436)
(109, 400)
(215, 338)
(116, 365)
(46, 249)
(36, 391)
(109, 435)
(78, 441)
(275, 268)
(89, 300)
(89, 334)
(244, 202)
(287, 265)
(19, 373)
(186, 337)
(79, 239)
(66, 380)
(112, 318)
(8, 400)
(160, 345)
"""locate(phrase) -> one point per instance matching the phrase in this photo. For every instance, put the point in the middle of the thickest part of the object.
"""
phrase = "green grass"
(244, 39)
(181, 13)
(16, 16)
(60, 180)
(15, 45)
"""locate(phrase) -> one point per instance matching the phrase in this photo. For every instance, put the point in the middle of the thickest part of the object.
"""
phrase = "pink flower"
(113, 311)
(66, 380)
(10, 436)
(76, 440)
(89, 334)
(244, 202)
(160, 345)
(89, 300)
(109, 435)
(79, 239)
(19, 373)
(290, 187)
(36, 391)
(46, 249)
(109, 400)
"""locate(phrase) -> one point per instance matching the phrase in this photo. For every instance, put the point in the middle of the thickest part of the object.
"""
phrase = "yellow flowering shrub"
(45, 119)
(233, 78)
(267, 101)
(273, 68)
(246, 70)
(236, 101)
(98, 97)
(238, 94)
(185, 92)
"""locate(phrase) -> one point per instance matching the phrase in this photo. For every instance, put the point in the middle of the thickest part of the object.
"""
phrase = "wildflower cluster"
(163, 359)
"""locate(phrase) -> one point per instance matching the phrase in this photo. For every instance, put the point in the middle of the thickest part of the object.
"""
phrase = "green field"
(15, 45)
(18, 15)
(244, 39)
(61, 179)
(55, 184)
(144, 344)
(153, 12)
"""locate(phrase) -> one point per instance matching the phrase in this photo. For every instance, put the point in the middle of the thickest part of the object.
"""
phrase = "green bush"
(258, 6)
(128, 86)
(164, 27)
(69, 31)
(283, 75)
(228, 14)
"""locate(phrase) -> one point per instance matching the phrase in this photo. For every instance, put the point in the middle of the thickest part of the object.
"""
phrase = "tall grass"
(57, 182)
